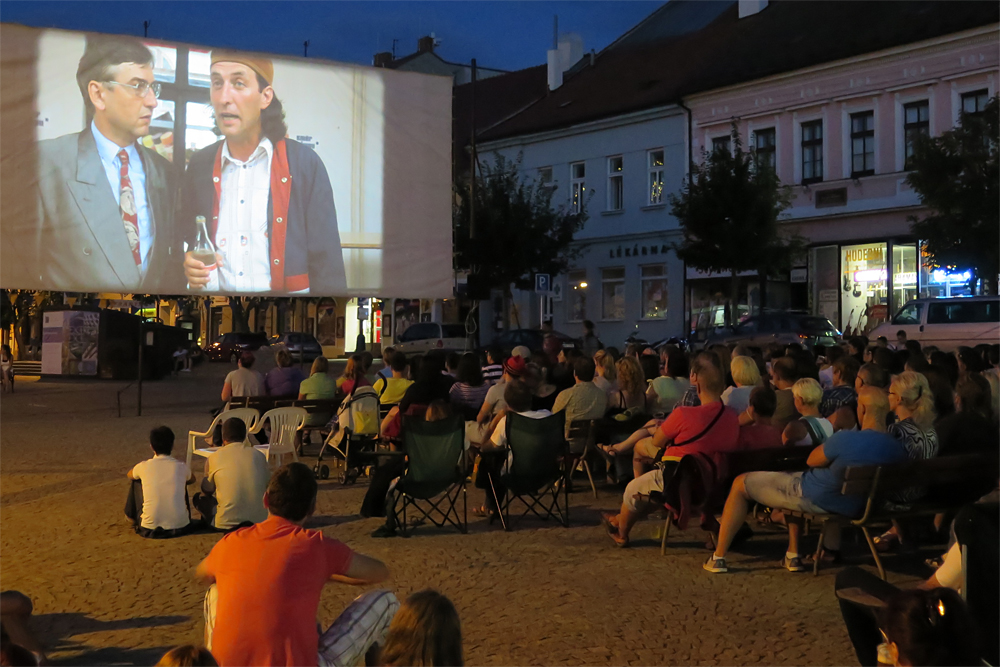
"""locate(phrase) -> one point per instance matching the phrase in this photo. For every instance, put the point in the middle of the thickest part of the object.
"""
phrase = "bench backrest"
(773, 459)
(859, 480)
(318, 405)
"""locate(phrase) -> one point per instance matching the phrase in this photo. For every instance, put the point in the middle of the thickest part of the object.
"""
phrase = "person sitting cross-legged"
(816, 490)
(706, 429)
(235, 480)
(266, 582)
(157, 500)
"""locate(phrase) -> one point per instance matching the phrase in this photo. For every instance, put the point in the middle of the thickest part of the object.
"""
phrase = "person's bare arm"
(130, 474)
(363, 570)
(227, 391)
(746, 418)
(485, 414)
(794, 432)
(844, 419)
(388, 418)
(660, 440)
(817, 458)
(488, 434)
(651, 397)
(202, 575)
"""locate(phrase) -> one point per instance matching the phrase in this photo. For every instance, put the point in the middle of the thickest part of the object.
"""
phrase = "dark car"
(300, 345)
(533, 339)
(229, 346)
(779, 327)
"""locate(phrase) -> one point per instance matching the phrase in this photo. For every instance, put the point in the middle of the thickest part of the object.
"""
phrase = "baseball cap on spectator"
(522, 351)
(514, 366)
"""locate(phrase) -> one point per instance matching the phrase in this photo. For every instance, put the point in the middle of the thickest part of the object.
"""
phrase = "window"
(654, 291)
(655, 176)
(910, 314)
(964, 312)
(764, 148)
(616, 187)
(975, 102)
(916, 123)
(545, 177)
(577, 296)
(613, 294)
(721, 144)
(862, 144)
(577, 174)
(812, 152)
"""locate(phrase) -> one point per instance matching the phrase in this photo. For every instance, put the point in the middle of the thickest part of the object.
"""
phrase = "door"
(910, 319)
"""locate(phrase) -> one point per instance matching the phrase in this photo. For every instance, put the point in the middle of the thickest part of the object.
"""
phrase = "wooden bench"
(878, 484)
(774, 459)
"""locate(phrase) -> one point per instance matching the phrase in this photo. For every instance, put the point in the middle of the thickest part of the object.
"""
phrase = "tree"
(728, 209)
(958, 179)
(518, 231)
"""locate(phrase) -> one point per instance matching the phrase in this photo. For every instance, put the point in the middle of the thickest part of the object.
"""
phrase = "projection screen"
(138, 166)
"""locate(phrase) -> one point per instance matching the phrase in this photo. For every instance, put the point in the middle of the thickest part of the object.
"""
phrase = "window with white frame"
(654, 291)
(613, 293)
(576, 289)
(721, 144)
(616, 184)
(577, 185)
(975, 102)
(545, 177)
(862, 144)
(916, 124)
(764, 148)
(812, 152)
(655, 159)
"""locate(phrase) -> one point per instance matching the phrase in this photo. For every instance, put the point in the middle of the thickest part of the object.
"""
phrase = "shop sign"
(799, 275)
(639, 251)
(695, 274)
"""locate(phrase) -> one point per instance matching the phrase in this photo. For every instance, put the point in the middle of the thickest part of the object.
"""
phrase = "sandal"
(886, 542)
(611, 525)
(826, 557)
(482, 512)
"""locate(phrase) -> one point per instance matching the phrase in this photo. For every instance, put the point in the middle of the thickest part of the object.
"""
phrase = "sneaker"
(715, 565)
(793, 564)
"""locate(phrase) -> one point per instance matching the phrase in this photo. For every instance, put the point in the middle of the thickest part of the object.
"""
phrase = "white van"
(422, 337)
(946, 323)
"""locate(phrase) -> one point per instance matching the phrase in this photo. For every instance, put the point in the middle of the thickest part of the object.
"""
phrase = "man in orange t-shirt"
(266, 584)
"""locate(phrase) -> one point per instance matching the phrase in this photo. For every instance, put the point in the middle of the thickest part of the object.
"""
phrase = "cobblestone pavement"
(541, 595)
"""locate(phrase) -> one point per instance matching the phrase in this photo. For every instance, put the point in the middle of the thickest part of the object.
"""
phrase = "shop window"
(577, 295)
(577, 185)
(654, 291)
(904, 274)
(764, 148)
(613, 294)
(616, 184)
(812, 152)
(862, 144)
(916, 124)
(655, 176)
(864, 287)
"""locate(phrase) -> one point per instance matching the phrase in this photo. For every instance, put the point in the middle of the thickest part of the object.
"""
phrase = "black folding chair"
(538, 472)
(435, 473)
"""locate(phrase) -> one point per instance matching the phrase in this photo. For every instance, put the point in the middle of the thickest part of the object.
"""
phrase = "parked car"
(422, 337)
(301, 346)
(946, 322)
(228, 347)
(635, 339)
(779, 327)
(533, 339)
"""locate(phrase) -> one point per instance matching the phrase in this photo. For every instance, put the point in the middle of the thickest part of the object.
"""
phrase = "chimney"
(751, 7)
(567, 52)
(425, 44)
(382, 59)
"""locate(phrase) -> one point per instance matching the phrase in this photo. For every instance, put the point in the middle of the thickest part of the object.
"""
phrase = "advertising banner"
(145, 167)
(69, 342)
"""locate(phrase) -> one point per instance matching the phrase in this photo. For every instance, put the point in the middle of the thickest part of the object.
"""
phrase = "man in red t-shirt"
(760, 433)
(266, 584)
(708, 428)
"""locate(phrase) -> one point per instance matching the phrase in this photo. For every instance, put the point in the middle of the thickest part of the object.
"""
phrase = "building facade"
(841, 134)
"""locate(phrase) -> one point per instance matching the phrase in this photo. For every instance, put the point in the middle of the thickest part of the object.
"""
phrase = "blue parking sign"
(543, 282)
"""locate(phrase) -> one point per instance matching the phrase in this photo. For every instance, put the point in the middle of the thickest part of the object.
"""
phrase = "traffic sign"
(543, 282)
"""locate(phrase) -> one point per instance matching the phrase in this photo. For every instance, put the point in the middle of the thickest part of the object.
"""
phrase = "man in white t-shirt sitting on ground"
(235, 480)
(157, 502)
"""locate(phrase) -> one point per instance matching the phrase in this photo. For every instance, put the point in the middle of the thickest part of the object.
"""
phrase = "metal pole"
(475, 160)
(142, 342)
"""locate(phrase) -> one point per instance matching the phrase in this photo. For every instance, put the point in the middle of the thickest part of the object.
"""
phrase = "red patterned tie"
(126, 204)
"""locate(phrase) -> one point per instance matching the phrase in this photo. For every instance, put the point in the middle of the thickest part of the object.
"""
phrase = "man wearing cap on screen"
(266, 199)
(104, 201)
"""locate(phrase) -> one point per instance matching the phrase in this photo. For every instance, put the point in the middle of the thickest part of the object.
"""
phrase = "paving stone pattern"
(541, 595)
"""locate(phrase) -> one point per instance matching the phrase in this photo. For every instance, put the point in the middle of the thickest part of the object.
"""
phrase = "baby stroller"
(354, 436)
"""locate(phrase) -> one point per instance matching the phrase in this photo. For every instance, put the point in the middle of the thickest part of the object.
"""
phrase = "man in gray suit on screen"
(105, 201)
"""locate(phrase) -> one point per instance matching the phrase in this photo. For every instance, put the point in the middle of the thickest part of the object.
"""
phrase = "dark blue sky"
(505, 35)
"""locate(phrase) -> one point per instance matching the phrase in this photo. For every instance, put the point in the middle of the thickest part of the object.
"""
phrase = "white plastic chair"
(285, 423)
(250, 417)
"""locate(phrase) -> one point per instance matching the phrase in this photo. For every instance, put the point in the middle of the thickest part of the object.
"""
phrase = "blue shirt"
(108, 150)
(848, 448)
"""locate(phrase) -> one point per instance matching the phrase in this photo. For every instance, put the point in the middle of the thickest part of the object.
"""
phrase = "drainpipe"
(690, 162)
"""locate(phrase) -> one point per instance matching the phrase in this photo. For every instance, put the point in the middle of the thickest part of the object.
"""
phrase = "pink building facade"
(840, 134)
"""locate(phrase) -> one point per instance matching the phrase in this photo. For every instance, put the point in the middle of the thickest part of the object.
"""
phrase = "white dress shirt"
(108, 151)
(241, 235)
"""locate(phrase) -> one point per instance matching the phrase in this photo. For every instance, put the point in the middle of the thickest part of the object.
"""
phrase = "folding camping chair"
(537, 473)
(355, 438)
(435, 473)
(285, 424)
(250, 417)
